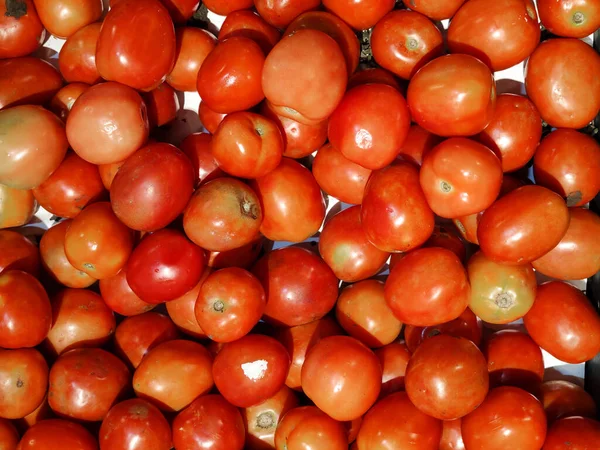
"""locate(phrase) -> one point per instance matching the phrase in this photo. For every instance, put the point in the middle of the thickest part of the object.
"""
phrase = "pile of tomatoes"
(214, 294)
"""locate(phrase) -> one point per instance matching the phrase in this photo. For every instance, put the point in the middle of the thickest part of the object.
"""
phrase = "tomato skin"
(120, 298)
(374, 75)
(290, 420)
(280, 13)
(108, 172)
(452, 436)
(162, 105)
(570, 19)
(417, 144)
(181, 10)
(23, 31)
(312, 431)
(181, 310)
(77, 57)
(193, 46)
(120, 56)
(435, 10)
(243, 257)
(65, 98)
(210, 119)
(57, 433)
(226, 7)
(361, 14)
(18, 253)
(9, 437)
(446, 83)
(563, 322)
(62, 18)
(564, 399)
(196, 146)
(250, 25)
(394, 359)
(579, 432)
(509, 417)
(17, 206)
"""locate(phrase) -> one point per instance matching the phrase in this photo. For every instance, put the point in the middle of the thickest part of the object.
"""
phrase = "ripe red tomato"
(361, 14)
(375, 75)
(313, 431)
(65, 98)
(427, 287)
(209, 422)
(9, 437)
(508, 418)
(248, 24)
(62, 18)
(162, 105)
(579, 432)
(33, 145)
(210, 119)
(403, 41)
(576, 19)
(57, 433)
(181, 310)
(134, 425)
(514, 132)
(561, 398)
(242, 257)
(394, 359)
(181, 10)
(435, 9)
(225, 7)
(23, 31)
(108, 172)
(193, 46)
(120, 54)
(452, 435)
(120, 298)
(18, 253)
(290, 420)
(77, 57)
(196, 146)
(460, 85)
(280, 13)
(562, 80)
(24, 380)
(27, 80)
(563, 322)
(17, 206)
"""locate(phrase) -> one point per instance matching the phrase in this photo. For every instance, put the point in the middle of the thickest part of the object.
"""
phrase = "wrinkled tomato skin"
(563, 322)
(361, 14)
(181, 310)
(394, 359)
(576, 19)
(22, 33)
(27, 81)
(57, 433)
(210, 119)
(65, 98)
(250, 25)
(120, 298)
(564, 399)
(580, 432)
(62, 18)
(162, 105)
(18, 253)
(196, 146)
(280, 13)
(435, 10)
(193, 46)
(77, 57)
(17, 206)
(122, 57)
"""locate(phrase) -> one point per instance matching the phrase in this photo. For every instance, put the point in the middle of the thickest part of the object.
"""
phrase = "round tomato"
(375, 75)
(193, 46)
(9, 437)
(210, 119)
(27, 81)
(120, 298)
(181, 310)
(561, 398)
(452, 436)
(181, 10)
(289, 422)
(576, 19)
(77, 57)
(280, 13)
(108, 172)
(247, 23)
(62, 18)
(196, 146)
(312, 431)
(162, 105)
(579, 432)
(17, 206)
(360, 14)
(417, 144)
(394, 359)
(65, 98)
(435, 9)
(18, 253)
(58, 433)
(23, 31)
(42, 412)
(242, 257)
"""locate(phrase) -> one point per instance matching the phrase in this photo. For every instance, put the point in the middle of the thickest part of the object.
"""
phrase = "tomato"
(335, 369)
(427, 287)
(137, 335)
(508, 418)
(447, 377)
(77, 57)
(361, 14)
(564, 399)
(289, 422)
(181, 310)
(247, 24)
(338, 176)
(576, 432)
(576, 19)
(18, 253)
(196, 146)
(164, 266)
(523, 225)
(563, 322)
(394, 359)
(42, 412)
(57, 433)
(210, 119)
(108, 172)
(561, 80)
(27, 80)
(250, 370)
(292, 202)
(23, 31)
(17, 206)
(33, 145)
(135, 425)
(120, 54)
(500, 293)
(65, 98)
(390, 222)
(9, 437)
(314, 431)
(181, 10)
(173, 374)
(209, 422)
(460, 85)
(436, 9)
(452, 436)
(448, 238)
(294, 80)
(24, 380)
(229, 79)
(568, 162)
(394, 422)
(280, 13)
(120, 298)
(417, 144)
(25, 314)
(375, 75)
(193, 46)
(62, 18)
(514, 132)
(242, 257)
(300, 287)
(225, 7)
(262, 420)
(162, 105)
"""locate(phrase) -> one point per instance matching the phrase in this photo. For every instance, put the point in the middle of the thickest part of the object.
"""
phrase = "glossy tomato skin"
(572, 331)
(9, 437)
(523, 225)
(403, 41)
(24, 31)
(65, 98)
(562, 398)
(27, 81)
(77, 57)
(108, 172)
(312, 431)
(57, 433)
(280, 13)
(122, 57)
(427, 287)
(62, 18)
(120, 298)
(508, 417)
(561, 80)
(17, 206)
(153, 187)
(568, 162)
(164, 266)
(394, 359)
(193, 46)
(18, 253)
(226, 7)
(362, 14)
(243, 257)
(435, 10)
(162, 105)
(248, 24)
(448, 83)
(570, 19)
(580, 432)
(291, 420)
(210, 119)
(452, 436)
(196, 146)
(514, 132)
(181, 310)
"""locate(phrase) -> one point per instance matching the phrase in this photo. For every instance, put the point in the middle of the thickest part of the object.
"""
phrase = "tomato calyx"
(578, 18)
(16, 8)
(248, 208)
(265, 420)
(445, 186)
(574, 198)
(219, 306)
(504, 300)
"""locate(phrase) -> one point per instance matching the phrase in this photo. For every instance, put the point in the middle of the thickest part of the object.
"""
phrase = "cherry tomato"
(576, 19)
(57, 433)
(193, 46)
(62, 18)
(435, 9)
(196, 146)
(374, 75)
(27, 80)
(280, 13)
(248, 24)
(23, 31)
(65, 98)
(18, 253)
(561, 398)
(162, 105)
(17, 206)
(209, 118)
(452, 436)
(9, 437)
(394, 359)
(77, 57)
(563, 322)
(460, 85)
(447, 377)
(578, 432)
(508, 418)
(120, 298)
(361, 14)
(181, 310)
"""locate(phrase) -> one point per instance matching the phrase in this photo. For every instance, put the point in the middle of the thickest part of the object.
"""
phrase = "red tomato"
(292, 202)
(108, 172)
(394, 359)
(435, 9)
(196, 146)
(335, 370)
(173, 374)
(403, 41)
(338, 176)
(374, 75)
(523, 225)
(181, 10)
(568, 162)
(121, 56)
(62, 18)
(24, 380)
(247, 24)
(564, 399)
(460, 85)
(562, 80)
(23, 31)
(65, 98)
(181, 310)
(447, 377)
(563, 322)
(210, 119)
(57, 433)
(394, 422)
(250, 370)
(209, 422)
(280, 13)
(33, 145)
(18, 253)
(85, 383)
(291, 420)
(417, 144)
(294, 81)
(313, 431)
(77, 57)
(120, 298)
(42, 412)
(17, 206)
(576, 19)
(162, 105)
(361, 14)
(135, 425)
(27, 80)
(193, 46)
(578, 432)
(229, 79)
(9, 437)
(448, 238)
(508, 418)
(164, 266)
(427, 287)
(225, 7)
(242, 257)
(452, 436)
(514, 132)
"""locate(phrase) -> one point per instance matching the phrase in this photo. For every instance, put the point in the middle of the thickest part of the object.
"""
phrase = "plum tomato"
(247, 23)
(23, 31)
(394, 359)
(58, 433)
(579, 432)
(120, 298)
(77, 57)
(576, 19)
(562, 398)
(18, 253)
(435, 9)
(62, 18)
(280, 13)
(17, 206)
(27, 81)
(193, 46)
(65, 98)
(360, 14)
